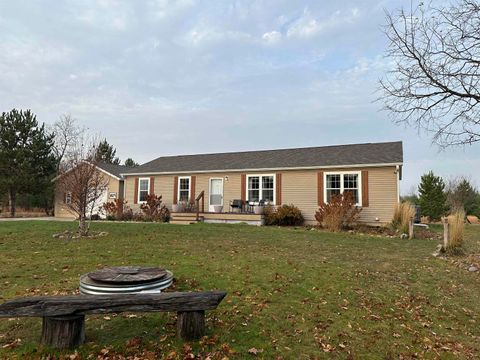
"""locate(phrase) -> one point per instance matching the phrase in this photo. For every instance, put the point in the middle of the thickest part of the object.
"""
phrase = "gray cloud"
(166, 77)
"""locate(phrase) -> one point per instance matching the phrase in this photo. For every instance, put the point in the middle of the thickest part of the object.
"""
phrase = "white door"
(216, 193)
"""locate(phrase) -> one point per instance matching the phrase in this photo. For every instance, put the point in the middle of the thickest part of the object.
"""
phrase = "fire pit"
(125, 280)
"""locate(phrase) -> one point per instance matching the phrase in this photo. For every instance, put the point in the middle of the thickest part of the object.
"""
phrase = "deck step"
(185, 218)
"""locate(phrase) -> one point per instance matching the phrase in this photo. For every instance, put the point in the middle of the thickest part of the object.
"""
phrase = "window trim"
(68, 198)
(342, 189)
(138, 192)
(260, 189)
(189, 187)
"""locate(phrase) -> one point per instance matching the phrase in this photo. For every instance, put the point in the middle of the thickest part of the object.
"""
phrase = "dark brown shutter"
(64, 197)
(152, 185)
(278, 188)
(320, 199)
(243, 189)
(193, 180)
(365, 201)
(175, 189)
(135, 193)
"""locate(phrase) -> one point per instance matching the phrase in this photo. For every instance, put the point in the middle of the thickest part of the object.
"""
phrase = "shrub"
(285, 215)
(154, 210)
(289, 215)
(125, 215)
(270, 215)
(114, 209)
(339, 213)
(402, 214)
(457, 225)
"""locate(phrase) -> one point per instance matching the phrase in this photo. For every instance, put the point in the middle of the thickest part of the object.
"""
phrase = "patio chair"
(236, 204)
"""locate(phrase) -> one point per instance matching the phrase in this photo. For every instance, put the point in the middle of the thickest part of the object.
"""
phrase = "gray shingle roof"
(113, 169)
(338, 155)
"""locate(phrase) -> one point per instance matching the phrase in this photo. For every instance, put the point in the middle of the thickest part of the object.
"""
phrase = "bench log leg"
(63, 331)
(191, 324)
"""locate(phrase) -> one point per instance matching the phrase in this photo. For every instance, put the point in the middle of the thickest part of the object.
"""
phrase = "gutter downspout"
(399, 177)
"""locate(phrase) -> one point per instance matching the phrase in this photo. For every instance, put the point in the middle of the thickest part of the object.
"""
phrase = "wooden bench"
(64, 316)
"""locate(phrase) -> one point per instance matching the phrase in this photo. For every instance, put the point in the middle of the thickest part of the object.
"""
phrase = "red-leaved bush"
(115, 210)
(154, 210)
(341, 212)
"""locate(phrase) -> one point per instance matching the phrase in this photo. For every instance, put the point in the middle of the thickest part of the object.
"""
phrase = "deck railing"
(201, 197)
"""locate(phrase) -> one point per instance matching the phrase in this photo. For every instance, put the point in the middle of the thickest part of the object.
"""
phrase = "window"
(143, 189)
(184, 188)
(261, 187)
(339, 183)
(68, 198)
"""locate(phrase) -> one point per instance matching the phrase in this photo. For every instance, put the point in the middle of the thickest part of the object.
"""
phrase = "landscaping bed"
(388, 231)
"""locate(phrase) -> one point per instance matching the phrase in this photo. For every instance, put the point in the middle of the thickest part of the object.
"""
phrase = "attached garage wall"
(298, 187)
(62, 211)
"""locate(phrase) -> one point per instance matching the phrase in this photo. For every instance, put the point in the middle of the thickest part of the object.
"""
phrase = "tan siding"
(383, 195)
(61, 210)
(299, 187)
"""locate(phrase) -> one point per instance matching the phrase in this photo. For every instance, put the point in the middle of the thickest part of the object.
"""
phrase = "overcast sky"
(179, 77)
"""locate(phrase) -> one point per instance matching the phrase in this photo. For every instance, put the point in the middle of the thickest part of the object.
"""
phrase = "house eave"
(98, 168)
(261, 169)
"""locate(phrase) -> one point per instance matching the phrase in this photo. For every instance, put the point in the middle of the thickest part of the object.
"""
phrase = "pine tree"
(462, 195)
(130, 162)
(432, 197)
(27, 163)
(106, 153)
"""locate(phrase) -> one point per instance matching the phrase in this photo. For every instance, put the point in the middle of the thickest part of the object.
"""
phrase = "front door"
(216, 193)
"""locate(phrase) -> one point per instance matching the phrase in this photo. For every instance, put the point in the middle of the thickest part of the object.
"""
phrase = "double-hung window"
(261, 187)
(184, 188)
(143, 189)
(68, 197)
(339, 183)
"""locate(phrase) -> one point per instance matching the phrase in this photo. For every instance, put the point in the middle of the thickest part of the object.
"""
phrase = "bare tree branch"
(435, 81)
(82, 184)
(66, 133)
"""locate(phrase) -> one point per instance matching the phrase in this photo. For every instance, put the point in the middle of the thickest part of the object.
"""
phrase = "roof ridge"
(270, 150)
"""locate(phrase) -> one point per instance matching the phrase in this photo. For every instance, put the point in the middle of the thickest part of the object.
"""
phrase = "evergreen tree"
(130, 162)
(27, 163)
(432, 198)
(106, 153)
(462, 195)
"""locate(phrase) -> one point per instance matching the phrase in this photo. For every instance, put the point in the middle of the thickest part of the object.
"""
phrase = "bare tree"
(82, 183)
(435, 81)
(67, 132)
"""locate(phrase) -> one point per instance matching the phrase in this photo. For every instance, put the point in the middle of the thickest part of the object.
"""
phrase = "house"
(304, 177)
(115, 189)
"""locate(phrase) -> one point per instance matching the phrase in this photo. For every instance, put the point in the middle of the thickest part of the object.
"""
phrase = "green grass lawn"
(292, 293)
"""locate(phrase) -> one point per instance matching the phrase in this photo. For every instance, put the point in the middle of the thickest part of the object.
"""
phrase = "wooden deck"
(211, 217)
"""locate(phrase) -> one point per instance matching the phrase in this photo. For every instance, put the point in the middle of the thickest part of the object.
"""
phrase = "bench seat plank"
(100, 304)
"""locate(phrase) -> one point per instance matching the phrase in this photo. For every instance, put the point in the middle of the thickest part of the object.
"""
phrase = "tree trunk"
(63, 331)
(190, 324)
(13, 202)
(82, 225)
